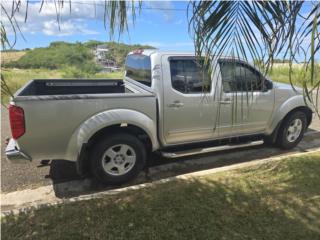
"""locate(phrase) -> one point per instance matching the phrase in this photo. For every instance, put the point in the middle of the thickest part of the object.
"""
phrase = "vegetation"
(276, 200)
(57, 55)
(280, 73)
(63, 54)
(16, 78)
(261, 30)
(59, 60)
(9, 56)
(117, 51)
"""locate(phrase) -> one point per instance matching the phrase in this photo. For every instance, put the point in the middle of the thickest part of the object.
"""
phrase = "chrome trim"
(14, 155)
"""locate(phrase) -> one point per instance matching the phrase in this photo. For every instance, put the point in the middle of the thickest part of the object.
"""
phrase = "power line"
(128, 7)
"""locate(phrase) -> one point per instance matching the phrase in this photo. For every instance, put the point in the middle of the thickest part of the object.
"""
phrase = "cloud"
(55, 19)
(53, 28)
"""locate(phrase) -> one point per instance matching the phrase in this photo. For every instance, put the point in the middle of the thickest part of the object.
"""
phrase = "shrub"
(81, 71)
(57, 55)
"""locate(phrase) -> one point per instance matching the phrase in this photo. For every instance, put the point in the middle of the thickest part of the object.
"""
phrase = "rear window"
(138, 67)
(188, 76)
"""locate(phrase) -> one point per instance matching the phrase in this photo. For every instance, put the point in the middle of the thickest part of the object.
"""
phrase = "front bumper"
(14, 155)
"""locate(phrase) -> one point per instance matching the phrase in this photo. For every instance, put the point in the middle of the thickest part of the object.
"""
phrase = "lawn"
(276, 200)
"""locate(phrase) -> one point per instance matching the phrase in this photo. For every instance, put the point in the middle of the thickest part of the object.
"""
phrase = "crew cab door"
(246, 100)
(188, 106)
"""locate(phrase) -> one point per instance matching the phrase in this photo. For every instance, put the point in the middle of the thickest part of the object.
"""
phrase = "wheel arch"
(273, 136)
(296, 103)
(303, 109)
(111, 122)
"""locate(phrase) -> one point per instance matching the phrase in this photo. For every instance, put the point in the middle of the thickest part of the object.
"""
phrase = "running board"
(209, 149)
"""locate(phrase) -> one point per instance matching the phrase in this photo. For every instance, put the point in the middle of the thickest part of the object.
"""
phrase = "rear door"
(188, 106)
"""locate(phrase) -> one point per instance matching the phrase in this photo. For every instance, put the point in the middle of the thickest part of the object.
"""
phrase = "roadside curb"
(21, 201)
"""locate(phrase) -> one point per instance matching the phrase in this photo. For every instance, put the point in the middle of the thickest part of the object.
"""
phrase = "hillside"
(63, 54)
(117, 51)
(57, 55)
(9, 56)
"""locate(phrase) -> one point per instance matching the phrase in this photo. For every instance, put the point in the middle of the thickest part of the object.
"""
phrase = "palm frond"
(259, 31)
(115, 19)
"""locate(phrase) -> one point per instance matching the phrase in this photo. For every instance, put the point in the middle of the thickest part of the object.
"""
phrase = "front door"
(246, 102)
(188, 106)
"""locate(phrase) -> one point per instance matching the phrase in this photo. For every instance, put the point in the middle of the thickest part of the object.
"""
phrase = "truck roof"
(149, 52)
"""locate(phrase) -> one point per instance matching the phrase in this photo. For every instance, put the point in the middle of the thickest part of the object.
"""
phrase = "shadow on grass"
(273, 201)
(67, 183)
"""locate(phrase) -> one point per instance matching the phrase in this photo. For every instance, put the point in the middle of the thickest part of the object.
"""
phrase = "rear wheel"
(117, 158)
(292, 130)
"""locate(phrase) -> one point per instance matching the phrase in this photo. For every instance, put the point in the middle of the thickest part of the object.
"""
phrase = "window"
(187, 76)
(138, 67)
(239, 77)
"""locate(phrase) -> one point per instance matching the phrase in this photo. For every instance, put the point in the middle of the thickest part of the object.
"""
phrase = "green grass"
(276, 200)
(280, 73)
(16, 78)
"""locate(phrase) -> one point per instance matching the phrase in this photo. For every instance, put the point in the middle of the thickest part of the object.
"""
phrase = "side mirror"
(268, 85)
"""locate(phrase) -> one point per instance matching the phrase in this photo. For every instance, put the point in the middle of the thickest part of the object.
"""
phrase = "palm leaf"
(259, 30)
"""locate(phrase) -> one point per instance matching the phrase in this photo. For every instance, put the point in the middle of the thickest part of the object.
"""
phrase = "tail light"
(17, 124)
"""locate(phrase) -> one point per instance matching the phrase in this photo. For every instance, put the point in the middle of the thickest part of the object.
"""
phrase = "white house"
(101, 51)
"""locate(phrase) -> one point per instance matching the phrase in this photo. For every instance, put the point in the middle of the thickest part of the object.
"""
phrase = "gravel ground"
(22, 176)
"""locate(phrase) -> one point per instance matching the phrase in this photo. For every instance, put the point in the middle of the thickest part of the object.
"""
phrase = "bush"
(77, 55)
(81, 71)
(57, 55)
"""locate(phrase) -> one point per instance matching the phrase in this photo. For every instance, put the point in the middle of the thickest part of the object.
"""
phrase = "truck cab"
(196, 104)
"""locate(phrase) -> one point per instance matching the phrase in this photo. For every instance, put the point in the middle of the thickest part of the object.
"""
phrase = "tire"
(294, 121)
(117, 158)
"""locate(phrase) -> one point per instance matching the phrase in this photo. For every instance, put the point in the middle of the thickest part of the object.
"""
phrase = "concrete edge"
(50, 199)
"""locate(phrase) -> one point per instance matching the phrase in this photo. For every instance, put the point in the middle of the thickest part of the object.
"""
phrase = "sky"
(163, 25)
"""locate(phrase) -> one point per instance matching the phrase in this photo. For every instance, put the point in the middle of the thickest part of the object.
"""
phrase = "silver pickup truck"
(166, 103)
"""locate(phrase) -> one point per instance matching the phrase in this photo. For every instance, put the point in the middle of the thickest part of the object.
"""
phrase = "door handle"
(176, 104)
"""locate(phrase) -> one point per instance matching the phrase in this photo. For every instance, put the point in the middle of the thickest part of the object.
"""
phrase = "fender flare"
(282, 111)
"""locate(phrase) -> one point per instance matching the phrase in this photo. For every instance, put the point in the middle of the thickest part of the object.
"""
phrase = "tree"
(263, 31)
(259, 30)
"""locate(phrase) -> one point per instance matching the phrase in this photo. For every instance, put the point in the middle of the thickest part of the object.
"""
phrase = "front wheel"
(117, 158)
(292, 130)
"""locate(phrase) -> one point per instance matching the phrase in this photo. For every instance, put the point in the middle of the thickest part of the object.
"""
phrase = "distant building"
(101, 51)
(108, 64)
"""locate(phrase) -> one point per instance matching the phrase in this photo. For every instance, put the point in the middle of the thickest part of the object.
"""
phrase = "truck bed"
(54, 110)
(71, 86)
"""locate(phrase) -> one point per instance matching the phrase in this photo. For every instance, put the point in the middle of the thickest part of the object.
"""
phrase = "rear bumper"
(14, 155)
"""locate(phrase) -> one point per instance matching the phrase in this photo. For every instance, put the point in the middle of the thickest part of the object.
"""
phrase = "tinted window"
(187, 76)
(138, 67)
(239, 77)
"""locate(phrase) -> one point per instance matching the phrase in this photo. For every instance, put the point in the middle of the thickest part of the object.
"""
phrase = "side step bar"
(209, 149)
